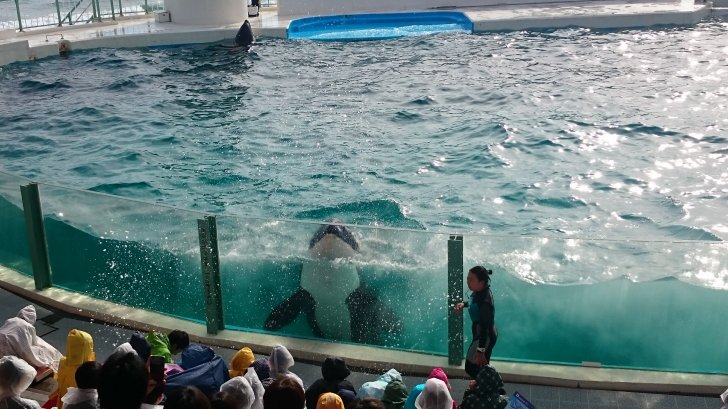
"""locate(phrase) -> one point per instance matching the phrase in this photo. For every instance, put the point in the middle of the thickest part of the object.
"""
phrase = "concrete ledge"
(15, 51)
(358, 356)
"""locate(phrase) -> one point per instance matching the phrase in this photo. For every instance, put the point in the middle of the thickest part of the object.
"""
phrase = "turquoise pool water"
(582, 139)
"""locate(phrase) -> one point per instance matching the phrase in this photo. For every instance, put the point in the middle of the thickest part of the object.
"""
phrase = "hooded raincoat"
(436, 395)
(79, 349)
(437, 373)
(262, 369)
(329, 400)
(395, 395)
(18, 338)
(241, 362)
(160, 346)
(488, 393)
(15, 377)
(76, 398)
(240, 388)
(280, 360)
(258, 389)
(334, 372)
(375, 389)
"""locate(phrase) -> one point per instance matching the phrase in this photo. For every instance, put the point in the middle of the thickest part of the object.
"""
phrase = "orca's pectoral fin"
(287, 311)
(372, 322)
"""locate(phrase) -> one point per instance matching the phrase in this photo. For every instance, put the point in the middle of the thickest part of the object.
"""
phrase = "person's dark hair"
(341, 232)
(366, 403)
(284, 393)
(122, 381)
(179, 339)
(482, 273)
(223, 400)
(87, 375)
(188, 397)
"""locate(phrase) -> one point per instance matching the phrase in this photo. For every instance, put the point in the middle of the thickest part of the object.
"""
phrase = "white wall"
(206, 12)
(291, 8)
(12, 52)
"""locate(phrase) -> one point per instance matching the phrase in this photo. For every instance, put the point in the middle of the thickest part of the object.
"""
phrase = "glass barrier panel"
(8, 16)
(356, 284)
(14, 252)
(630, 304)
(133, 253)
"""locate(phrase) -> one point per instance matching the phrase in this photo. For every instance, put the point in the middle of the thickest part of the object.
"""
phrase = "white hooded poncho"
(18, 337)
(15, 377)
(280, 360)
(240, 388)
(436, 395)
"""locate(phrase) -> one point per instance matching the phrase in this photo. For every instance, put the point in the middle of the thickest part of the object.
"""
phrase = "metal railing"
(28, 14)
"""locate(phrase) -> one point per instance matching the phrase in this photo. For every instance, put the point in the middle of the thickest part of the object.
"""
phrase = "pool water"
(569, 136)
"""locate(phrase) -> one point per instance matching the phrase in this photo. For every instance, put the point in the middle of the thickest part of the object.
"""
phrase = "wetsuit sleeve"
(487, 321)
(287, 311)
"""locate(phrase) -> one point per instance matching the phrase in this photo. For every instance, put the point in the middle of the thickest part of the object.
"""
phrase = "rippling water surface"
(563, 133)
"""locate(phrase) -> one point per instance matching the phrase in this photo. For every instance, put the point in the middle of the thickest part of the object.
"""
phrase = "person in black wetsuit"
(482, 312)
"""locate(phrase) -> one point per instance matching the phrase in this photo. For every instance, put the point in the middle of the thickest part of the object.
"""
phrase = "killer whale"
(329, 287)
(244, 36)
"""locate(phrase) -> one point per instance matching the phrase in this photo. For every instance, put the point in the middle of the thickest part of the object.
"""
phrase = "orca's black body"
(244, 37)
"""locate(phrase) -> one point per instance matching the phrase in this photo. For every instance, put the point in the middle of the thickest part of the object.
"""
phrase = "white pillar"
(207, 12)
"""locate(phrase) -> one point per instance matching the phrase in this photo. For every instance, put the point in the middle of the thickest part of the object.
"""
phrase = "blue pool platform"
(379, 26)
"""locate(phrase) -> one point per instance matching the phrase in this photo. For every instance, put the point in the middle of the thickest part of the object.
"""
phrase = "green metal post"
(98, 8)
(113, 16)
(58, 10)
(121, 10)
(146, 7)
(36, 236)
(20, 20)
(210, 258)
(454, 296)
(94, 16)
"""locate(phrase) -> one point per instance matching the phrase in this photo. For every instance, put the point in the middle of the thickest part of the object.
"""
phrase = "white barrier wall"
(206, 12)
(291, 8)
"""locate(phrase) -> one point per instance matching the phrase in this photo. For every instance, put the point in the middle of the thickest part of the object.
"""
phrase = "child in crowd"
(188, 397)
(15, 377)
(123, 381)
(366, 403)
(18, 338)
(84, 396)
(241, 362)
(168, 345)
(334, 372)
(79, 349)
(280, 361)
(486, 392)
(284, 393)
(395, 395)
(436, 395)
(375, 389)
(329, 400)
(262, 369)
(241, 391)
(437, 373)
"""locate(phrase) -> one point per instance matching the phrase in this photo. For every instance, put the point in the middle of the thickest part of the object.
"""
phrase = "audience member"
(18, 338)
(84, 396)
(258, 389)
(347, 396)
(329, 400)
(436, 395)
(724, 399)
(334, 372)
(223, 400)
(395, 395)
(366, 403)
(280, 361)
(487, 392)
(262, 369)
(188, 397)
(375, 389)
(79, 349)
(284, 393)
(437, 373)
(241, 362)
(168, 345)
(202, 368)
(15, 377)
(240, 389)
(122, 382)
(141, 346)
